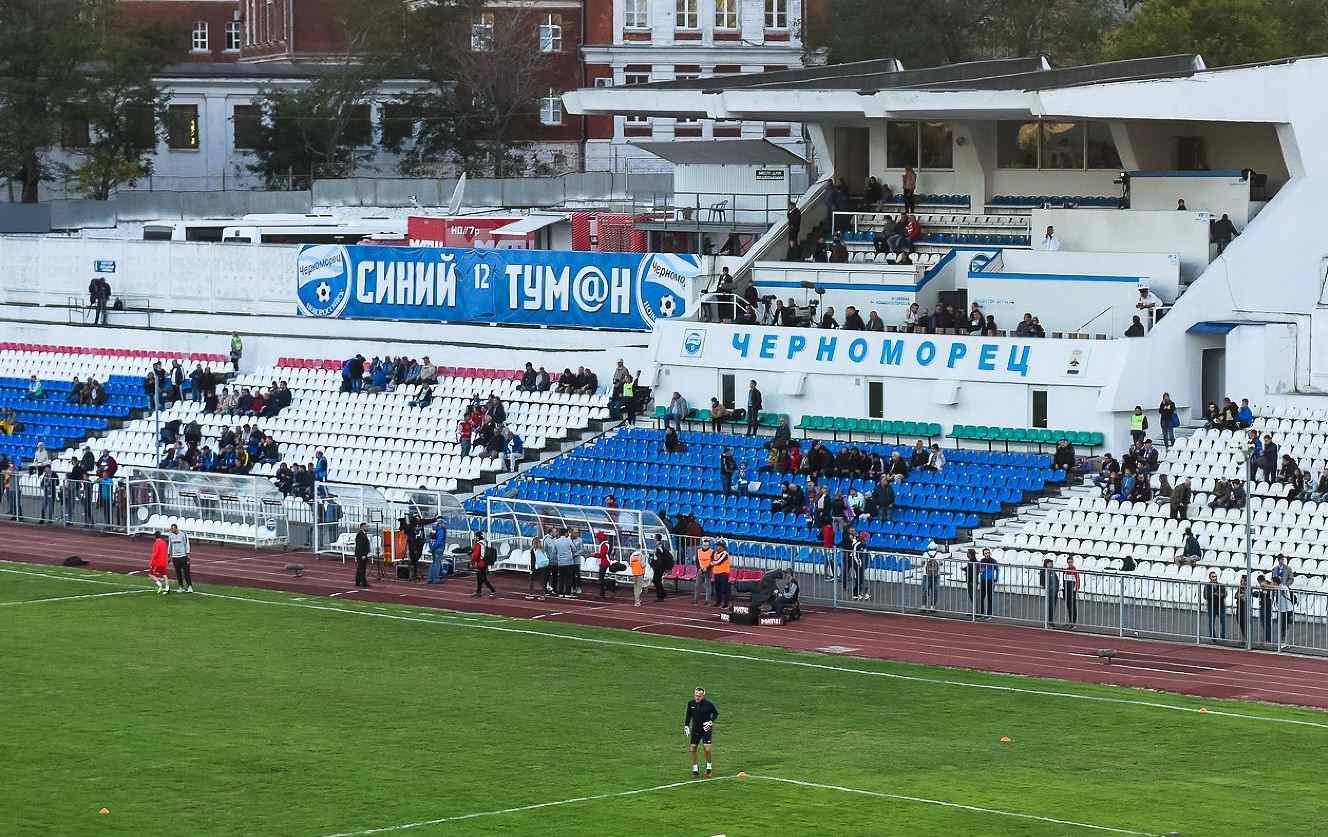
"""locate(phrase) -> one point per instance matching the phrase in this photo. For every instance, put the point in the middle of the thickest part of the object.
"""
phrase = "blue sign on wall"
(530, 287)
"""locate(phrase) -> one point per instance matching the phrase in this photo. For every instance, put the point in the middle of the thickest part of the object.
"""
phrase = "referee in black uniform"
(698, 725)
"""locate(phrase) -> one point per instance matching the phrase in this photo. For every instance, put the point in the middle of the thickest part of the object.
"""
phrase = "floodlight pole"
(1248, 455)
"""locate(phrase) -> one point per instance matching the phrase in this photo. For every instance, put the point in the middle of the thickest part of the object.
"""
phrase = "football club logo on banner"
(661, 285)
(693, 342)
(324, 280)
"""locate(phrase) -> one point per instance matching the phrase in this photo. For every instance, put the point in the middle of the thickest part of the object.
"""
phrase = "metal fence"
(95, 504)
(1285, 618)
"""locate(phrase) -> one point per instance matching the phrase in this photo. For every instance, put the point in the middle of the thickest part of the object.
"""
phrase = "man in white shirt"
(1148, 303)
(177, 546)
(1050, 242)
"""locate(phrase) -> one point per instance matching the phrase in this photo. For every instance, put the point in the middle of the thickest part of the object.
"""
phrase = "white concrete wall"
(1216, 195)
(1130, 231)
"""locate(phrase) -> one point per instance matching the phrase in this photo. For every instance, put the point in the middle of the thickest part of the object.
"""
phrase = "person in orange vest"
(705, 554)
(720, 568)
(638, 565)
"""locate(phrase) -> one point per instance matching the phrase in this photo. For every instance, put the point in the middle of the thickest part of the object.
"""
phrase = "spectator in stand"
(1136, 328)
(1071, 589)
(1064, 458)
(1191, 552)
(589, 383)
(621, 376)
(976, 322)
(283, 479)
(874, 192)
(1269, 461)
(874, 322)
(527, 379)
(1138, 425)
(728, 469)
(1025, 327)
(913, 316)
(718, 415)
(676, 411)
(754, 407)
(542, 382)
(990, 329)
(794, 217)
(897, 467)
(909, 186)
(75, 395)
(1320, 494)
(36, 391)
(1037, 330)
(1147, 459)
(1287, 469)
(1166, 416)
(935, 460)
(789, 315)
(1178, 507)
(1050, 243)
(838, 251)
(320, 466)
(428, 372)
(99, 296)
(672, 444)
(1148, 303)
(853, 320)
(1298, 481)
(828, 319)
(1223, 232)
(514, 448)
(918, 456)
(256, 405)
(567, 382)
(1244, 415)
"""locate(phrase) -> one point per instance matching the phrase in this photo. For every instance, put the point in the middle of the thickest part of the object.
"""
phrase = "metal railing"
(133, 311)
(95, 504)
(1113, 604)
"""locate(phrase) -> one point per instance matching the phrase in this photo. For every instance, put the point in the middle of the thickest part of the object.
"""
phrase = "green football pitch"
(243, 711)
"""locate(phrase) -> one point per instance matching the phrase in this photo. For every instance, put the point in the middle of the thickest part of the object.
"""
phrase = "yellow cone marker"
(1203, 710)
(104, 811)
(1005, 739)
(742, 774)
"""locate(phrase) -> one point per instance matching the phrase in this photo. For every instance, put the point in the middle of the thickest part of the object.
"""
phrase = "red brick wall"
(599, 22)
(181, 17)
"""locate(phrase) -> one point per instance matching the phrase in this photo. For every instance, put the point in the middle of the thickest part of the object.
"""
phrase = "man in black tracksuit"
(362, 556)
(661, 562)
(698, 725)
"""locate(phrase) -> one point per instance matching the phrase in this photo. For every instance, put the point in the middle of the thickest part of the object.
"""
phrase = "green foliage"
(123, 106)
(935, 32)
(1224, 32)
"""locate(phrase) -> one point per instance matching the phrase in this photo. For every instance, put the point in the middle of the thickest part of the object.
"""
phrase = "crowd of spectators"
(261, 402)
(484, 427)
(235, 450)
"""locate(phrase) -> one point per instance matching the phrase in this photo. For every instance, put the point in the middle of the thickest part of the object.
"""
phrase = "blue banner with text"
(527, 287)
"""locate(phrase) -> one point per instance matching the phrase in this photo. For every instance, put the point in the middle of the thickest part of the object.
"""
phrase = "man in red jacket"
(157, 565)
(479, 560)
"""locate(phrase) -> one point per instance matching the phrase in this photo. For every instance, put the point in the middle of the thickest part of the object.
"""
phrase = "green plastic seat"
(911, 428)
(661, 411)
(841, 425)
(957, 431)
(876, 427)
(862, 426)
(933, 429)
(1097, 439)
(700, 415)
(805, 423)
(1043, 436)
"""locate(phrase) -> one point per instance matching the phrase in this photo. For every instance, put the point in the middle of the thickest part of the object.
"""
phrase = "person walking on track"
(481, 557)
(157, 564)
(699, 727)
(362, 556)
(177, 543)
(662, 562)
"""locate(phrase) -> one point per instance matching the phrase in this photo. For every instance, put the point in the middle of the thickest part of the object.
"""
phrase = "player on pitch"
(698, 725)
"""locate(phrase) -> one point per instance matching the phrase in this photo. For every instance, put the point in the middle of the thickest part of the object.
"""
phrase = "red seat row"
(202, 357)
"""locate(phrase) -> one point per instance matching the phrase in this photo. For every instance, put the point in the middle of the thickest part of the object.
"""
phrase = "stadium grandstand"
(954, 342)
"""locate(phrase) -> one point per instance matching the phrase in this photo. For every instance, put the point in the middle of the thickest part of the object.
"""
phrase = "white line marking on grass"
(974, 808)
(71, 598)
(727, 655)
(521, 808)
(60, 577)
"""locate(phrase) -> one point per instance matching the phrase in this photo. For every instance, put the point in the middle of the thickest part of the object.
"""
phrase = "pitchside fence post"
(314, 523)
(488, 518)
(1120, 604)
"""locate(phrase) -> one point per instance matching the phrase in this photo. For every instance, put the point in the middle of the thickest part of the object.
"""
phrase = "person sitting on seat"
(786, 603)
(36, 391)
(1192, 553)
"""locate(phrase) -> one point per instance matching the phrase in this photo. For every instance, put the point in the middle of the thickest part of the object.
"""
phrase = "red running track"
(1193, 670)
